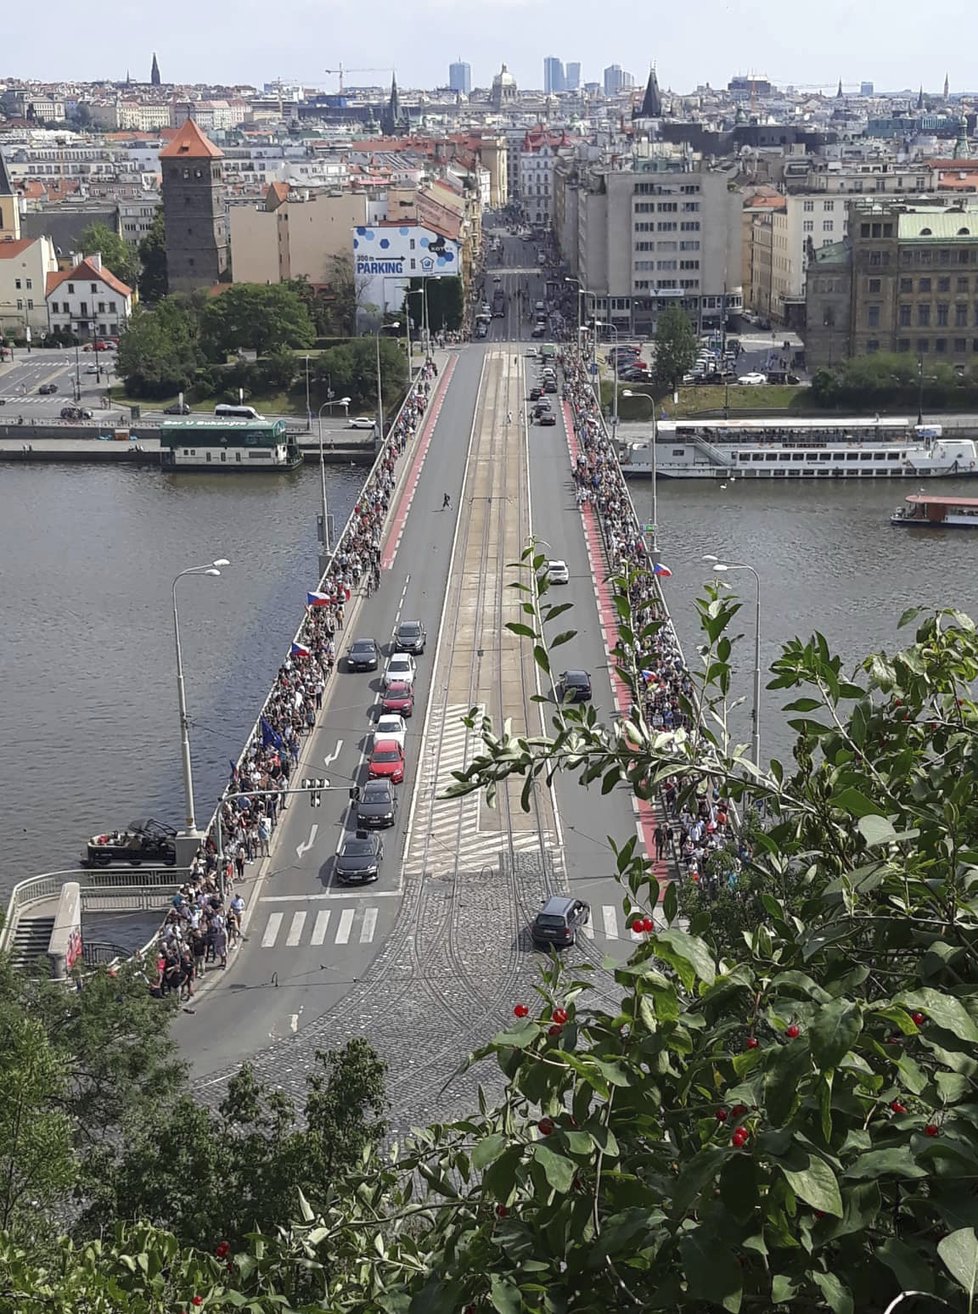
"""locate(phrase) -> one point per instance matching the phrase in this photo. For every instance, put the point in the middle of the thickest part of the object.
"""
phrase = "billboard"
(385, 258)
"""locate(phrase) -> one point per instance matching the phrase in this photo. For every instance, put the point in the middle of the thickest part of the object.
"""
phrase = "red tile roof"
(85, 271)
(8, 250)
(189, 143)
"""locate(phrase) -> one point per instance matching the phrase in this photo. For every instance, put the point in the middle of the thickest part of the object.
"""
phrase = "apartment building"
(536, 162)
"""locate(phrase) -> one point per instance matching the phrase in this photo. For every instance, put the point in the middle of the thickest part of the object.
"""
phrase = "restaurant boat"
(225, 443)
(925, 512)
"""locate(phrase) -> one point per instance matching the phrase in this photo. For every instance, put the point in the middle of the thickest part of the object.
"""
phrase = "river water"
(88, 555)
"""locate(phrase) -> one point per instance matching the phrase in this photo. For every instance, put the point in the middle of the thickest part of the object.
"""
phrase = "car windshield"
(357, 848)
(551, 923)
(399, 690)
(376, 793)
(410, 630)
(363, 645)
(387, 755)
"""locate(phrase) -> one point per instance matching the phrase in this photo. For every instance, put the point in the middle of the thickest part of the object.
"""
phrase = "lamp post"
(308, 406)
(190, 834)
(380, 396)
(920, 389)
(614, 373)
(340, 401)
(653, 439)
(722, 567)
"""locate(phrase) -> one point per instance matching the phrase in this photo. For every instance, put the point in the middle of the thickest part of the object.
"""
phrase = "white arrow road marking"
(335, 753)
(302, 849)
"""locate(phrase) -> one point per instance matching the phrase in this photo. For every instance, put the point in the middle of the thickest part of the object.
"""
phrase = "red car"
(387, 759)
(398, 697)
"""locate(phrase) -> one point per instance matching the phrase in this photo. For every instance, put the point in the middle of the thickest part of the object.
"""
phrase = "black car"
(76, 413)
(559, 920)
(46, 389)
(574, 687)
(359, 858)
(410, 636)
(539, 332)
(176, 408)
(142, 841)
(377, 804)
(547, 418)
(549, 385)
(536, 394)
(362, 655)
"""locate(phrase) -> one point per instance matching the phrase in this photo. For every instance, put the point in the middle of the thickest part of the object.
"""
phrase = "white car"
(400, 667)
(557, 572)
(362, 422)
(390, 726)
(752, 380)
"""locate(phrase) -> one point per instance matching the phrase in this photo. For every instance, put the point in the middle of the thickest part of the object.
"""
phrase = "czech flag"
(318, 600)
(662, 570)
(300, 650)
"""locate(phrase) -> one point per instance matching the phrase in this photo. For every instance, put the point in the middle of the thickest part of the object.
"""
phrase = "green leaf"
(960, 1254)
(876, 830)
(505, 1295)
(816, 1184)
(670, 903)
(781, 1081)
(909, 1266)
(855, 802)
(834, 1032)
(898, 1161)
(698, 1173)
(488, 1150)
(839, 1297)
(783, 1289)
(679, 949)
(712, 1272)
(944, 1010)
(558, 1170)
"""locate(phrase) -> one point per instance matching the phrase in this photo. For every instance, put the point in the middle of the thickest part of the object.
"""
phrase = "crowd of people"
(204, 919)
(693, 831)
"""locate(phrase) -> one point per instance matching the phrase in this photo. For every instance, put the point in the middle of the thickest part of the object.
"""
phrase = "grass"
(776, 398)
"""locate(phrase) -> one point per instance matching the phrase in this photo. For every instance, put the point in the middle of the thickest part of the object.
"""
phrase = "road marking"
(609, 921)
(302, 849)
(319, 929)
(340, 892)
(271, 930)
(335, 753)
(369, 924)
(346, 925)
(295, 930)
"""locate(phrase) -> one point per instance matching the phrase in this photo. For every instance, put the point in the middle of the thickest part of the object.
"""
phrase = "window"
(872, 344)
(644, 246)
(828, 205)
(808, 206)
(71, 289)
(808, 226)
(906, 284)
(17, 284)
(873, 316)
(943, 285)
(101, 307)
(30, 303)
(940, 344)
(20, 303)
(923, 346)
(93, 287)
(923, 285)
(112, 307)
(960, 315)
(904, 316)
(28, 283)
(876, 257)
(644, 227)
(827, 225)
(923, 316)
(668, 207)
(903, 345)
(942, 313)
(960, 346)
(874, 285)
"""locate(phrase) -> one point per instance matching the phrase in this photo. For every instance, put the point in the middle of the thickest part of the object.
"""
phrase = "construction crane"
(341, 70)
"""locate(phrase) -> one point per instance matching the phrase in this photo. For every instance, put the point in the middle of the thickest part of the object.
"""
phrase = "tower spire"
(154, 74)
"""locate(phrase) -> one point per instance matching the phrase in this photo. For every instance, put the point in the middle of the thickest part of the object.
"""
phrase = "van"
(225, 412)
(539, 307)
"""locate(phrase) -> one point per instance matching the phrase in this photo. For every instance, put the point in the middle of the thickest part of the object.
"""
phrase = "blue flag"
(234, 773)
(269, 735)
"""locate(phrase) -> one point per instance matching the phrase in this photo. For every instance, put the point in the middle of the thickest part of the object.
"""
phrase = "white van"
(225, 412)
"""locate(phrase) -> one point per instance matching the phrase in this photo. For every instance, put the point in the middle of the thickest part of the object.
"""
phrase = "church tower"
(9, 208)
(393, 119)
(154, 73)
(193, 210)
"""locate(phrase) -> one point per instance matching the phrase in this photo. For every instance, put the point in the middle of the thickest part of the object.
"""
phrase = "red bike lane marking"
(395, 530)
(647, 814)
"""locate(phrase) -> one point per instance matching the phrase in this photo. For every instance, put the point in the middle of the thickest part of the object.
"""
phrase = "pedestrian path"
(294, 930)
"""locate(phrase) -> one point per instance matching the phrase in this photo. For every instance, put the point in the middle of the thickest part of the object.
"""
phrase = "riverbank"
(38, 444)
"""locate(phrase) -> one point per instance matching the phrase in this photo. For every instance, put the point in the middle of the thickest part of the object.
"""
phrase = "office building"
(553, 75)
(865, 88)
(460, 77)
(616, 80)
(572, 77)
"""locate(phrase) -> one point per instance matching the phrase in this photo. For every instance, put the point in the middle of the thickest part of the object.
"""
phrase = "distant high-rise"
(460, 77)
(572, 77)
(616, 80)
(553, 75)
(154, 74)
(865, 88)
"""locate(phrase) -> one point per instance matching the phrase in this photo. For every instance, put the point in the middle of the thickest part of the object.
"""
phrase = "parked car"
(400, 668)
(362, 655)
(410, 636)
(574, 687)
(559, 920)
(359, 858)
(390, 725)
(46, 389)
(752, 380)
(386, 759)
(176, 408)
(398, 697)
(557, 572)
(142, 841)
(362, 422)
(377, 805)
(76, 413)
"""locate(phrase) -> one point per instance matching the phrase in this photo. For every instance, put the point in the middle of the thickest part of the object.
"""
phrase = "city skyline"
(263, 45)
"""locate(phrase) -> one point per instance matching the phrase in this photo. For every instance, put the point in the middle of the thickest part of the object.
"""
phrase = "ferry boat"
(925, 512)
(802, 449)
(224, 443)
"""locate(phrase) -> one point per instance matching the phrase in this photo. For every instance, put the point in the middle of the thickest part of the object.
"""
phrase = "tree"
(152, 261)
(345, 295)
(117, 255)
(265, 319)
(675, 349)
(159, 353)
(351, 370)
(445, 302)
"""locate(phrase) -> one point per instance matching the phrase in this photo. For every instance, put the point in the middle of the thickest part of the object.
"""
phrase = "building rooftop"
(944, 225)
(189, 143)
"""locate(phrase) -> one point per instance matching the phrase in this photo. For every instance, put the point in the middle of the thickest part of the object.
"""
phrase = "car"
(550, 385)
(362, 422)
(92, 369)
(376, 805)
(398, 697)
(176, 408)
(142, 841)
(574, 687)
(782, 376)
(557, 572)
(359, 858)
(386, 759)
(106, 344)
(400, 669)
(497, 278)
(389, 725)
(547, 419)
(481, 331)
(752, 380)
(88, 347)
(559, 920)
(542, 407)
(46, 389)
(539, 331)
(536, 393)
(410, 636)
(362, 655)
(76, 413)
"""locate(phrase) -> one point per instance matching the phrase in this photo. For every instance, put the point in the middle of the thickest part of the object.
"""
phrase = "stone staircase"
(30, 942)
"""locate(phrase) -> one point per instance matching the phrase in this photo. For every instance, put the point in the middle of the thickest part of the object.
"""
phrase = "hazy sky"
(893, 43)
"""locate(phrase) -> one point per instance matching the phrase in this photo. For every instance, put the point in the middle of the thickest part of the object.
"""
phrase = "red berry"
(932, 1129)
(792, 1032)
(559, 1015)
(919, 1019)
(520, 1010)
(546, 1126)
(197, 1300)
(501, 1211)
(554, 1030)
(721, 1115)
(739, 1110)
(752, 1042)
(739, 1137)
(648, 924)
(897, 1106)
(636, 925)
(819, 1213)
(223, 1249)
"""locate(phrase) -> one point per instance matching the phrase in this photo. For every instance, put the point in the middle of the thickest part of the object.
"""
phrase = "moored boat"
(925, 512)
(222, 443)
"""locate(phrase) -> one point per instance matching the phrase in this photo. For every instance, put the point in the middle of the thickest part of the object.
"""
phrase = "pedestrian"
(660, 842)
(239, 861)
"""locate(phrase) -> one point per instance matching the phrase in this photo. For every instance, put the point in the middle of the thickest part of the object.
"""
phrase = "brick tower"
(193, 210)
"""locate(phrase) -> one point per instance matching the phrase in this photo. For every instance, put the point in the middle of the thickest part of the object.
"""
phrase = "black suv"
(362, 655)
(559, 920)
(48, 389)
(574, 687)
(410, 636)
(359, 858)
(377, 804)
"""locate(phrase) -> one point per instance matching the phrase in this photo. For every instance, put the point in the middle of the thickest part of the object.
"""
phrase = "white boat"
(925, 512)
(800, 449)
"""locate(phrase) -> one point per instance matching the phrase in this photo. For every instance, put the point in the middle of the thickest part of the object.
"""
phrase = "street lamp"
(920, 390)
(308, 406)
(340, 401)
(380, 396)
(722, 567)
(653, 439)
(190, 831)
(601, 323)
